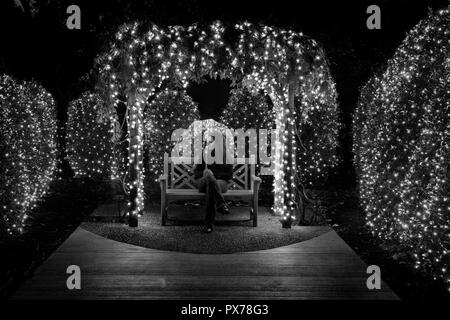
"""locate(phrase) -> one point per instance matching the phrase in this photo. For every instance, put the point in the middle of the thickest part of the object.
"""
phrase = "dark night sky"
(41, 47)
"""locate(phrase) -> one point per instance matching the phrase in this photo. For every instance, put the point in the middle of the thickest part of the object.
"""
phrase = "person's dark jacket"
(221, 171)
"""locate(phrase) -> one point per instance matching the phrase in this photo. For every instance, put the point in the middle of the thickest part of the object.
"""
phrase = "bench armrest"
(256, 181)
(163, 182)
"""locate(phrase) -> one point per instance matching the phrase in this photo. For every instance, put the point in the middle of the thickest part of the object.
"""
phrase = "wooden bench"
(177, 183)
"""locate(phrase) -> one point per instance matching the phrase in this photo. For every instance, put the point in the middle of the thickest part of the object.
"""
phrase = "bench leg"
(163, 217)
(118, 209)
(254, 212)
(163, 212)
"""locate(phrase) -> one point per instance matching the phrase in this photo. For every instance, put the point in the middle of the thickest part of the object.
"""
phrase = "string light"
(27, 149)
(402, 147)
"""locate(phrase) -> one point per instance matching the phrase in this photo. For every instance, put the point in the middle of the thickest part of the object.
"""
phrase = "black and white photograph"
(225, 158)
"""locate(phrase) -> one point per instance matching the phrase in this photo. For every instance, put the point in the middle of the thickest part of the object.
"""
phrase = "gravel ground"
(229, 235)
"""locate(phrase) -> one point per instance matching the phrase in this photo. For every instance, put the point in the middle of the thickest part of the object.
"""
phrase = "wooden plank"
(182, 175)
(324, 267)
(190, 192)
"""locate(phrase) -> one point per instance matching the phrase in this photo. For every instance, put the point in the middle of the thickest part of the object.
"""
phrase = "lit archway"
(288, 66)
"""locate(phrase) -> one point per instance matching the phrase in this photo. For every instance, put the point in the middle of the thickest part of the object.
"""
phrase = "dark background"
(35, 43)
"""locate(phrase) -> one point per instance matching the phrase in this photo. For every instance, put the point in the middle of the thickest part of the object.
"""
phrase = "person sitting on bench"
(213, 180)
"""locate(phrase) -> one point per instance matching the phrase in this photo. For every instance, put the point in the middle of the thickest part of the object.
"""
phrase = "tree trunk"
(287, 157)
(293, 199)
(135, 160)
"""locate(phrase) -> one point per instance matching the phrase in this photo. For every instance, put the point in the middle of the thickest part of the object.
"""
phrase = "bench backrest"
(181, 175)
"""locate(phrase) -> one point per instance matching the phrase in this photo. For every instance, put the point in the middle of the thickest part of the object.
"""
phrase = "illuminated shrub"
(28, 154)
(248, 111)
(318, 130)
(318, 154)
(402, 147)
(169, 110)
(91, 135)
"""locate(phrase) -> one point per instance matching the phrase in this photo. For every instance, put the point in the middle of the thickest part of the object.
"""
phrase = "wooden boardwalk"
(324, 267)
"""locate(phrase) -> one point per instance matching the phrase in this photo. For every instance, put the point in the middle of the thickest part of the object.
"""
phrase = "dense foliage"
(318, 131)
(169, 110)
(91, 137)
(402, 147)
(28, 154)
(248, 110)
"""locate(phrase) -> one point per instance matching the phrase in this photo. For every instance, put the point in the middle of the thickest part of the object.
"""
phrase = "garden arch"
(286, 65)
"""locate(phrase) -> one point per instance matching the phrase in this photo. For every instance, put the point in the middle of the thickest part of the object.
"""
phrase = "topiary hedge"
(28, 154)
(318, 130)
(402, 147)
(91, 134)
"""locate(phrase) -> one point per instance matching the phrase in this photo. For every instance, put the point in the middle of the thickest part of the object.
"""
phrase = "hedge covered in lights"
(402, 147)
(168, 110)
(248, 111)
(28, 154)
(318, 131)
(90, 137)
(318, 154)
